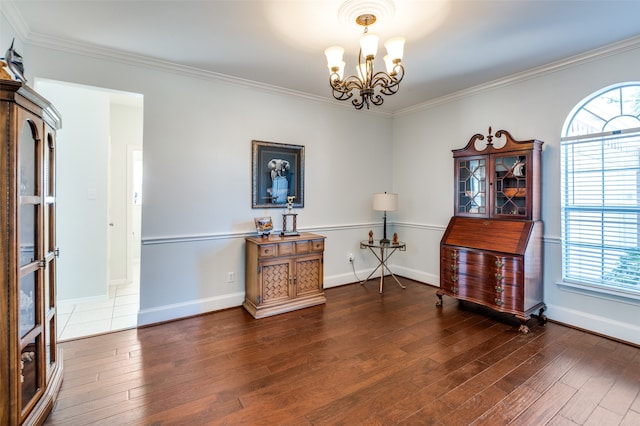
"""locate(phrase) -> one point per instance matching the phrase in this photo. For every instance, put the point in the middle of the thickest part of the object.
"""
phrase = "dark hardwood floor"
(363, 358)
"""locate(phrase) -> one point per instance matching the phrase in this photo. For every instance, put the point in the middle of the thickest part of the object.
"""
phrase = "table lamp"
(385, 202)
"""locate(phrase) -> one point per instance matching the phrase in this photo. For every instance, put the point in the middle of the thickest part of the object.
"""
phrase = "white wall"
(197, 176)
(82, 192)
(530, 108)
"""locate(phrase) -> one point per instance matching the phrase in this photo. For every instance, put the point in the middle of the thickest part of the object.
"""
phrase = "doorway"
(99, 195)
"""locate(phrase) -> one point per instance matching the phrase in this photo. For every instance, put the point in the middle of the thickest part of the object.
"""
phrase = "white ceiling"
(451, 45)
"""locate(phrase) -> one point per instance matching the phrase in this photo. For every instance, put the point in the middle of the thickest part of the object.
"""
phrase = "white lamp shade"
(395, 48)
(385, 202)
(334, 56)
(369, 44)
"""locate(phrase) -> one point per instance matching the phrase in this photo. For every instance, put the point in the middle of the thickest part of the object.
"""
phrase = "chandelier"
(366, 81)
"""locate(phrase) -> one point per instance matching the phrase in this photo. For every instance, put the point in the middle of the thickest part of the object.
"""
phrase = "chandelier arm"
(390, 89)
(389, 84)
(359, 103)
(382, 78)
(350, 83)
(341, 96)
(387, 87)
(397, 72)
(353, 82)
(337, 90)
(377, 100)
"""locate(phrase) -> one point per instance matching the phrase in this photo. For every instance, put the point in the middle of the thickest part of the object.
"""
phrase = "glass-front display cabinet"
(498, 182)
(31, 361)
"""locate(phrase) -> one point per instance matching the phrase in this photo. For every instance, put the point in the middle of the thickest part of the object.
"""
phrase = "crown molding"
(126, 58)
(572, 61)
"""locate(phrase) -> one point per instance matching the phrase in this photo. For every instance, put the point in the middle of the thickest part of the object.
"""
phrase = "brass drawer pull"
(454, 278)
(499, 302)
(499, 264)
(499, 276)
(454, 255)
(499, 289)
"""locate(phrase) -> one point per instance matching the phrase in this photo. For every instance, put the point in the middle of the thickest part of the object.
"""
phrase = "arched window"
(600, 174)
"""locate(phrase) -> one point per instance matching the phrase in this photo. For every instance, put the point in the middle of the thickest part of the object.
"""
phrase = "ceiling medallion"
(351, 9)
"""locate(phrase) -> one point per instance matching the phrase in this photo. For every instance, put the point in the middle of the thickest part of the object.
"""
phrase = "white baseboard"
(414, 274)
(202, 306)
(188, 309)
(594, 323)
(347, 278)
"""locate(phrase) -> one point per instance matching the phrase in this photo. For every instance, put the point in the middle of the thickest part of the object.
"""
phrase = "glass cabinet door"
(50, 251)
(472, 186)
(28, 235)
(510, 195)
(30, 246)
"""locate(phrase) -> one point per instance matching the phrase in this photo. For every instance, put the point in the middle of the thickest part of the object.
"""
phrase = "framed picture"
(264, 225)
(278, 173)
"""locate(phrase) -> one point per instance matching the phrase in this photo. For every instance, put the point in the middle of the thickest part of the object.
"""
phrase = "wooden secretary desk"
(491, 251)
(31, 362)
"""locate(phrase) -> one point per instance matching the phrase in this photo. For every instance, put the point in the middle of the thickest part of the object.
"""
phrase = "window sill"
(620, 296)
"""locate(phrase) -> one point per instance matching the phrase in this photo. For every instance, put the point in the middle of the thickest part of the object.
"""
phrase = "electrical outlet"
(350, 257)
(231, 277)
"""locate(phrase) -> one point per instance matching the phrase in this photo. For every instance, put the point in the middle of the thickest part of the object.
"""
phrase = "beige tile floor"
(119, 312)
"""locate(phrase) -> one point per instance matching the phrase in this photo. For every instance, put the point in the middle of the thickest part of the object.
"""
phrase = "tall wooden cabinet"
(283, 273)
(491, 251)
(30, 360)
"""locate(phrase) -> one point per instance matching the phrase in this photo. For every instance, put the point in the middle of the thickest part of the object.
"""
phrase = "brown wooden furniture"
(31, 362)
(491, 251)
(283, 273)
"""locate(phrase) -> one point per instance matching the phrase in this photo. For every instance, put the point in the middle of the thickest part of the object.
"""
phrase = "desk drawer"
(267, 250)
(285, 249)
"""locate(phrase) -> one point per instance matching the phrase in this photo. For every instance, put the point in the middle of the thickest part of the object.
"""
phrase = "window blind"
(600, 210)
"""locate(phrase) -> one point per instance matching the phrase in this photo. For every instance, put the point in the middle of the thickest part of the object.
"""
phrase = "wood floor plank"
(360, 359)
(586, 399)
(547, 406)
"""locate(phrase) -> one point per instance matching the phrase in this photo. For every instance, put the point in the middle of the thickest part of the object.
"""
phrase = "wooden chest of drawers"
(495, 263)
(283, 273)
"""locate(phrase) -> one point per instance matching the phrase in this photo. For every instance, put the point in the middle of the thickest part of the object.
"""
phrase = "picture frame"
(277, 173)
(264, 225)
